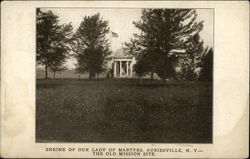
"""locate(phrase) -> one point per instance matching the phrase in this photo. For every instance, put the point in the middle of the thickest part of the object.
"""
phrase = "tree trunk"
(152, 75)
(91, 75)
(164, 79)
(79, 75)
(46, 71)
(108, 75)
(97, 75)
(139, 81)
(54, 75)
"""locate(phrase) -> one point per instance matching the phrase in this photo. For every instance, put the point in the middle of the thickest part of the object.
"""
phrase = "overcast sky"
(120, 22)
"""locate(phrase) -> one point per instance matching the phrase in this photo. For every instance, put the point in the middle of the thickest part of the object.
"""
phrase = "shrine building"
(122, 64)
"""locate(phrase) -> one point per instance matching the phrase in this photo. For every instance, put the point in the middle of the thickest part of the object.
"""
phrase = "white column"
(127, 67)
(131, 69)
(114, 69)
(120, 68)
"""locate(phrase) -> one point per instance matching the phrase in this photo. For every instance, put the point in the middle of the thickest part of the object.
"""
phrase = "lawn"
(118, 110)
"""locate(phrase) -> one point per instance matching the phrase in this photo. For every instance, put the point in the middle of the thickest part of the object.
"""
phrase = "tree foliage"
(190, 60)
(207, 66)
(53, 41)
(91, 45)
(163, 33)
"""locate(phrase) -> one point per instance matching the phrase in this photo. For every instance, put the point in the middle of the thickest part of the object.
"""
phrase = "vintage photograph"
(124, 75)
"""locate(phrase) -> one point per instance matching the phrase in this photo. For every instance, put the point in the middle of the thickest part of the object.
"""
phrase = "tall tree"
(53, 41)
(57, 61)
(207, 66)
(91, 45)
(163, 33)
(190, 61)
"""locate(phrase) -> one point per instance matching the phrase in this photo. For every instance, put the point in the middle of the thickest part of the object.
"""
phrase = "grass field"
(118, 110)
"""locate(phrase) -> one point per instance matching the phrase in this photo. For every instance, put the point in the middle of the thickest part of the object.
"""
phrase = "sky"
(121, 22)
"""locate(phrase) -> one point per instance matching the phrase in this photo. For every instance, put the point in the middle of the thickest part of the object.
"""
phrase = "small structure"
(122, 65)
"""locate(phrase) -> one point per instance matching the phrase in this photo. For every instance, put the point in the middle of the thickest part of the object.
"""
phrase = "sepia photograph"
(124, 75)
(124, 79)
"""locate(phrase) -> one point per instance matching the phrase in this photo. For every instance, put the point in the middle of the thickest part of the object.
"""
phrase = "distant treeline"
(71, 73)
(65, 74)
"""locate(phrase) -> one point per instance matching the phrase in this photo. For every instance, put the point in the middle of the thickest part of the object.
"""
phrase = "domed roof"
(120, 53)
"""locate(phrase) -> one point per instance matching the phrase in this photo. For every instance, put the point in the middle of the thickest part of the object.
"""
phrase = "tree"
(143, 58)
(53, 41)
(142, 67)
(189, 61)
(57, 61)
(207, 66)
(78, 69)
(91, 45)
(163, 33)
